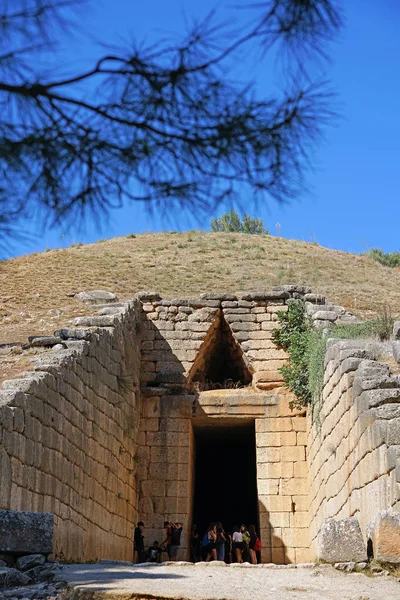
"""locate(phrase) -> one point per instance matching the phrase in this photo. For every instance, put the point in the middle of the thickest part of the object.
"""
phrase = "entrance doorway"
(225, 475)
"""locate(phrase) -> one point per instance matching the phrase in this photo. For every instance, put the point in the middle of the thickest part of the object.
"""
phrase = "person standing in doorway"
(220, 543)
(252, 544)
(209, 543)
(246, 540)
(176, 531)
(140, 553)
(238, 544)
(228, 547)
(195, 544)
(167, 542)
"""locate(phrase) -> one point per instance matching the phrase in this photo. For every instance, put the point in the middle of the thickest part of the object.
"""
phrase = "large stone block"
(341, 541)
(26, 532)
(12, 577)
(384, 532)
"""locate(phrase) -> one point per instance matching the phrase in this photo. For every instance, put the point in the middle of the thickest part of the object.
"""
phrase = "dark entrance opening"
(225, 476)
(220, 365)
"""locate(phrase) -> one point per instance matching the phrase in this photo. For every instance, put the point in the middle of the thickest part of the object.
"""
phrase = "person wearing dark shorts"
(238, 544)
(140, 553)
(210, 543)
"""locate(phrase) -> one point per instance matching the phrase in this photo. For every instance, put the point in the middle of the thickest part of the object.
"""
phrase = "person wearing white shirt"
(238, 545)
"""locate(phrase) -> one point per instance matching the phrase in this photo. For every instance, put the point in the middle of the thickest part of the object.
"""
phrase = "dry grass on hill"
(35, 289)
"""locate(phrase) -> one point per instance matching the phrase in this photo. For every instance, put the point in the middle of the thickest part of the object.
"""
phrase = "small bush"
(230, 222)
(131, 236)
(293, 336)
(303, 375)
(390, 259)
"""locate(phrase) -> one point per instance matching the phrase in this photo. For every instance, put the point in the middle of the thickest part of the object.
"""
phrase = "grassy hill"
(35, 290)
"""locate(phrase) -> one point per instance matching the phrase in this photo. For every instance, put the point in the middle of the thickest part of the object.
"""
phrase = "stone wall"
(103, 432)
(68, 435)
(354, 445)
(178, 336)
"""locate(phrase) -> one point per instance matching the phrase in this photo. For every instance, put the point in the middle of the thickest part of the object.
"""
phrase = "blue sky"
(354, 199)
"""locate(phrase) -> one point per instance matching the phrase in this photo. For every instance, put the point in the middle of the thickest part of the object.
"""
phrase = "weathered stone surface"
(36, 571)
(12, 577)
(23, 532)
(58, 347)
(47, 574)
(30, 561)
(326, 315)
(148, 296)
(396, 330)
(43, 340)
(384, 532)
(265, 296)
(203, 315)
(348, 567)
(96, 296)
(82, 333)
(396, 350)
(112, 310)
(96, 321)
(223, 297)
(322, 324)
(341, 541)
(191, 302)
(314, 298)
(346, 318)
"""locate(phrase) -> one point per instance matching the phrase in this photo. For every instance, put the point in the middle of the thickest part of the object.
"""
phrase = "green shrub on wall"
(294, 336)
(303, 375)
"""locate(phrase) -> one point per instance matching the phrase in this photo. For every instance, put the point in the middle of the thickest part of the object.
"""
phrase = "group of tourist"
(170, 545)
(242, 545)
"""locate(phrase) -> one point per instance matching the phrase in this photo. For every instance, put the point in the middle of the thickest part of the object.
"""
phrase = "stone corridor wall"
(68, 434)
(282, 484)
(354, 447)
(102, 432)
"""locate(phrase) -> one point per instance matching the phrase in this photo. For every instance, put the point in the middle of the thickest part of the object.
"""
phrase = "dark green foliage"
(293, 336)
(303, 375)
(389, 259)
(230, 222)
(171, 123)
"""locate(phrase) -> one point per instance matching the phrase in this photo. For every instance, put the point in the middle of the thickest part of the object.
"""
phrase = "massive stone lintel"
(26, 532)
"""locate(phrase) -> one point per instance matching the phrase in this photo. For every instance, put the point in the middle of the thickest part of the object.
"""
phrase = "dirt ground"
(214, 581)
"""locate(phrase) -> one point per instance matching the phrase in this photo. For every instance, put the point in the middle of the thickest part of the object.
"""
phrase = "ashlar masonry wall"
(177, 337)
(68, 433)
(354, 446)
(103, 432)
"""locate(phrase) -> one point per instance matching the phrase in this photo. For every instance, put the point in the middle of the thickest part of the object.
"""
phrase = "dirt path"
(214, 582)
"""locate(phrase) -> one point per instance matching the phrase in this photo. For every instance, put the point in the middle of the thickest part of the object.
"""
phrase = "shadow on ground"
(85, 577)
